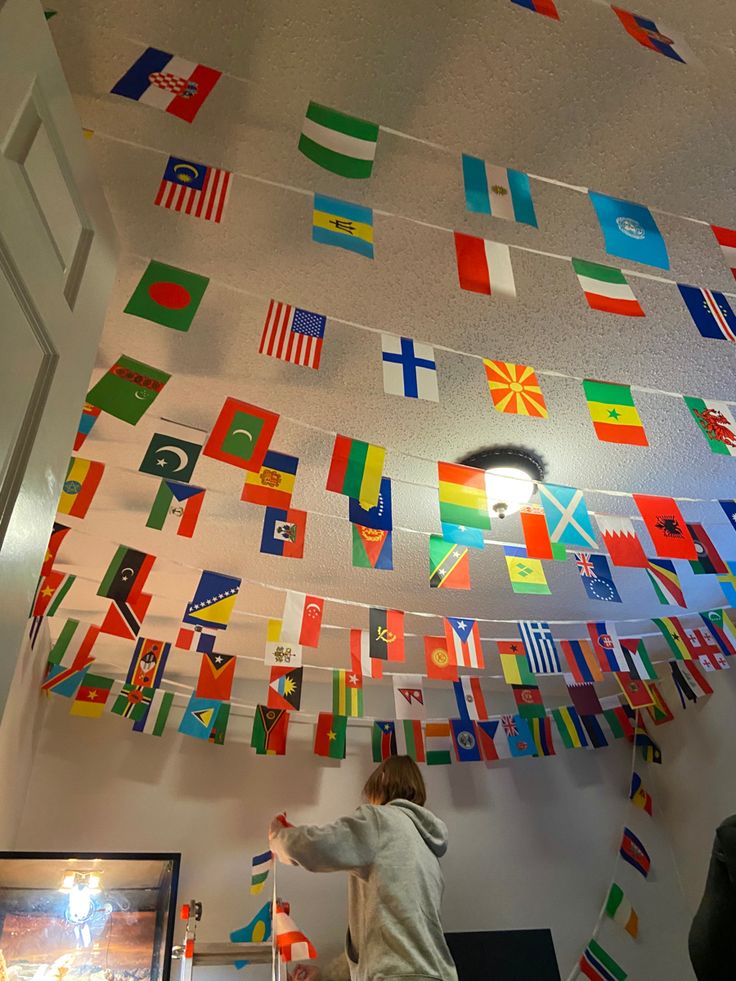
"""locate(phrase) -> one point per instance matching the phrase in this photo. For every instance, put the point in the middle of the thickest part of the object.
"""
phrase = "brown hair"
(397, 777)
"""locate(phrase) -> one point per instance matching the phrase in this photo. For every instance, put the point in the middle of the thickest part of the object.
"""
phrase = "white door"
(57, 262)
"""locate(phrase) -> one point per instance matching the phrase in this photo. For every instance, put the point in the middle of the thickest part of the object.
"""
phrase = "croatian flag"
(497, 191)
(167, 82)
(711, 312)
(483, 266)
(409, 368)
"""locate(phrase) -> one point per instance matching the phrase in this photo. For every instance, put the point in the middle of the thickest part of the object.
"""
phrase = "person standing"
(391, 846)
(712, 940)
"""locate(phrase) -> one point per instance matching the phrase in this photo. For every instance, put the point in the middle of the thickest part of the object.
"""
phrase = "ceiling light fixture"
(512, 473)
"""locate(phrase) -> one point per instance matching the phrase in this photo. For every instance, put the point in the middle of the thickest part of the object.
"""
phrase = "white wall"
(533, 842)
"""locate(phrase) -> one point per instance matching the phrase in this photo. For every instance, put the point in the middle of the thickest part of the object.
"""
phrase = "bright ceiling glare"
(512, 473)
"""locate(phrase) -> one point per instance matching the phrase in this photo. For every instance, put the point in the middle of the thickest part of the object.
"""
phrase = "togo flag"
(344, 144)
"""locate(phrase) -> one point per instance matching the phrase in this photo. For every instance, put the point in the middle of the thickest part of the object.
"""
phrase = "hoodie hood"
(429, 826)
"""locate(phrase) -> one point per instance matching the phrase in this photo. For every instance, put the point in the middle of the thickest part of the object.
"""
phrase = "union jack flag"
(582, 561)
(509, 725)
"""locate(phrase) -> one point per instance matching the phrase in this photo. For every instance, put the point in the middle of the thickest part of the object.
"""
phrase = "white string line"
(440, 146)
(339, 600)
(637, 274)
(574, 973)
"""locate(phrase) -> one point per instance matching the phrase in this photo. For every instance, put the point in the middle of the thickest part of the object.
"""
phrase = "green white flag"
(133, 702)
(716, 424)
(343, 144)
(621, 911)
(154, 722)
(167, 295)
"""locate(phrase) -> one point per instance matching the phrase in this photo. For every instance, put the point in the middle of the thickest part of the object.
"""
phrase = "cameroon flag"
(614, 414)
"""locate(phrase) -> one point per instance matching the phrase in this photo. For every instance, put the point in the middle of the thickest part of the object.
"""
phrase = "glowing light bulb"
(508, 489)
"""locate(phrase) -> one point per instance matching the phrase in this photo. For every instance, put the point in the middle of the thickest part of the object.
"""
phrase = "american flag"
(194, 188)
(293, 335)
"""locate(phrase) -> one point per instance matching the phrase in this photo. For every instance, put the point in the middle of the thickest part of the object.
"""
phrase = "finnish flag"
(409, 368)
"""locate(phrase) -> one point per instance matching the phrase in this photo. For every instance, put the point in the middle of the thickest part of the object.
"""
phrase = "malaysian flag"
(292, 334)
(194, 189)
(540, 647)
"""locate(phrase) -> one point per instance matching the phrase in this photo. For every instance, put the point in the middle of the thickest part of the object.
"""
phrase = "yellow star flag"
(515, 389)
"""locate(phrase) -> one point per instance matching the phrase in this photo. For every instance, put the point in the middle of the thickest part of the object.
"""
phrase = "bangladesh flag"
(330, 735)
(343, 144)
(128, 389)
(167, 295)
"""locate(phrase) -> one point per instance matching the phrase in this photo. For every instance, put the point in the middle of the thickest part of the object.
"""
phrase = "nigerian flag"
(343, 144)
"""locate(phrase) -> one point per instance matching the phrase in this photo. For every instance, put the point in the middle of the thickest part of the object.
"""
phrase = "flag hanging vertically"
(171, 457)
(449, 565)
(665, 582)
(525, 574)
(584, 696)
(638, 795)
(347, 693)
(637, 657)
(261, 866)
(383, 740)
(128, 389)
(91, 696)
(409, 696)
(356, 469)
(597, 965)
(439, 659)
(386, 634)
(635, 692)
(167, 295)
(409, 368)
(539, 643)
(378, 515)
(301, 621)
(471, 703)
(180, 502)
(634, 852)
(518, 735)
(292, 334)
(270, 728)
(567, 515)
(541, 730)
(330, 735)
(342, 224)
(465, 741)
(666, 527)
(497, 191)
(463, 497)
(194, 189)
(711, 312)
(157, 713)
(606, 289)
(273, 484)
(515, 663)
(133, 702)
(708, 562)
(213, 601)
(629, 230)
(168, 82)
(90, 415)
(673, 632)
(536, 535)
(361, 662)
(515, 389)
(726, 238)
(529, 702)
(614, 414)
(410, 740)
(463, 640)
(78, 490)
(645, 31)
(546, 7)
(73, 647)
(582, 661)
(199, 717)
(570, 727)
(621, 911)
(343, 144)
(596, 577)
(241, 435)
(437, 737)
(484, 266)
(716, 423)
(283, 532)
(123, 584)
(621, 540)
(689, 682)
(51, 592)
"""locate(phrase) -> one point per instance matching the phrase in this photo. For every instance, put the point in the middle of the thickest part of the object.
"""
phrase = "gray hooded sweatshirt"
(394, 891)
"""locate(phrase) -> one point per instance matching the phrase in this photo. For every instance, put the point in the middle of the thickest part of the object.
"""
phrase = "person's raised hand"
(277, 823)
(305, 972)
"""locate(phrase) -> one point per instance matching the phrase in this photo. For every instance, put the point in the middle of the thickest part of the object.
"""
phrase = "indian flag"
(606, 288)
(344, 144)
(621, 911)
(614, 414)
(716, 424)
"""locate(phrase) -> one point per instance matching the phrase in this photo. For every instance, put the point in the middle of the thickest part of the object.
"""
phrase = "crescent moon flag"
(194, 189)
(169, 456)
(126, 575)
(515, 389)
(81, 482)
(167, 295)
(168, 82)
(360, 655)
(128, 389)
(241, 435)
(301, 621)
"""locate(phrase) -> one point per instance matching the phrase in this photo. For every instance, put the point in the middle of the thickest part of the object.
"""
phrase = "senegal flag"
(614, 414)
(344, 144)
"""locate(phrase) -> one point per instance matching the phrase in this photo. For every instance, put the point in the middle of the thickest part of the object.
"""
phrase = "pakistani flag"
(167, 295)
(168, 456)
(343, 144)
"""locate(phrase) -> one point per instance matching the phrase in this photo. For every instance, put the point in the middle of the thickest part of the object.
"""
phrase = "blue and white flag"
(497, 191)
(540, 646)
(409, 368)
(711, 312)
(729, 509)
(596, 575)
(567, 516)
(465, 741)
(167, 82)
(461, 535)
(630, 231)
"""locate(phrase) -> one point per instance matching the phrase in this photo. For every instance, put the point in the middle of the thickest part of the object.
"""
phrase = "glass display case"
(72, 917)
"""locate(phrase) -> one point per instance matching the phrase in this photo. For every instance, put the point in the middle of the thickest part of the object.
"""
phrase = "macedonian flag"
(515, 389)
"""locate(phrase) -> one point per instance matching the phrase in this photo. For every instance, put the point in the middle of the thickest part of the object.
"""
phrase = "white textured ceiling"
(578, 101)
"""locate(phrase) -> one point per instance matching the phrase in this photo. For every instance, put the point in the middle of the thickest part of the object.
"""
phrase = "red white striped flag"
(292, 334)
(726, 238)
(194, 189)
(483, 266)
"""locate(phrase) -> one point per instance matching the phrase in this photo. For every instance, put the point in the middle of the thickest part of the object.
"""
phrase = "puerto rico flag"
(167, 82)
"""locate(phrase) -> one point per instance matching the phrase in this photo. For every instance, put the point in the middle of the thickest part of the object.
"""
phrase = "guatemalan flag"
(711, 312)
(168, 82)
